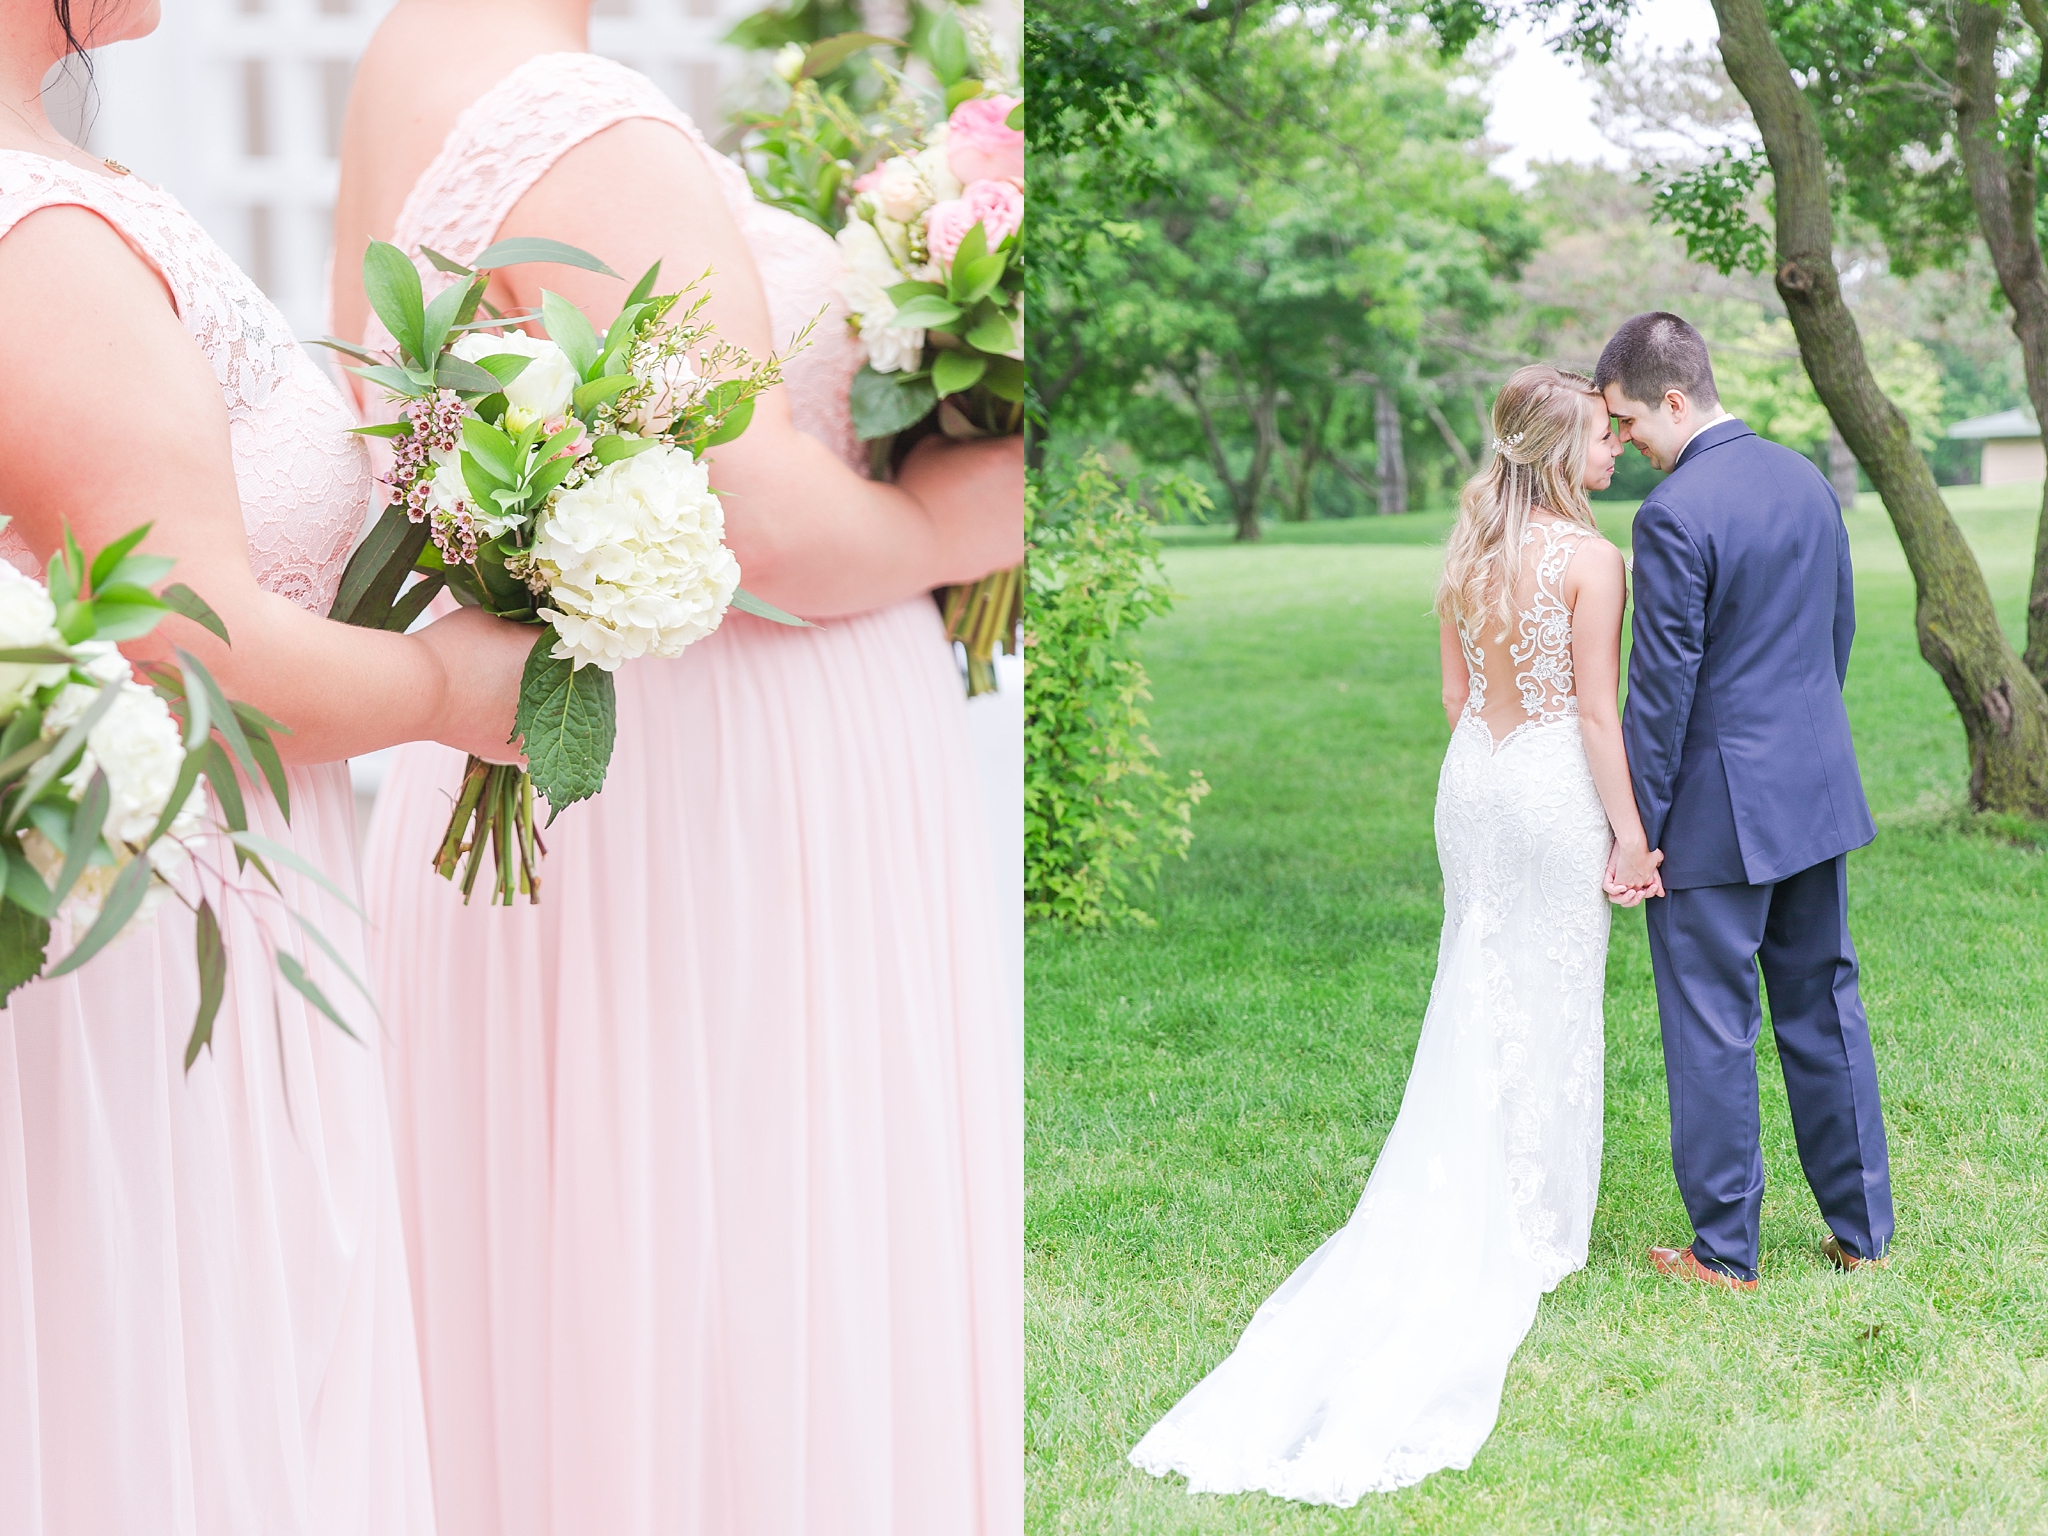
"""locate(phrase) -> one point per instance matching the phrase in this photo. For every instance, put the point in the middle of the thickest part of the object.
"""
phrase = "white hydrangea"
(869, 273)
(138, 746)
(27, 619)
(635, 560)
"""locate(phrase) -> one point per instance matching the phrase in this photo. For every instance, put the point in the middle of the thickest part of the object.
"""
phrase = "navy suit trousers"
(1706, 946)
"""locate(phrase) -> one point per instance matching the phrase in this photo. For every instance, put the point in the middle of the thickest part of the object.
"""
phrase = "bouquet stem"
(983, 616)
(494, 811)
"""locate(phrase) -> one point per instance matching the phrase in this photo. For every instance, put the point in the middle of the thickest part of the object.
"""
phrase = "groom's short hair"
(1649, 354)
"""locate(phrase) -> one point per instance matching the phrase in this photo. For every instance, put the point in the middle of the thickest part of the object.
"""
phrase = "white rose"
(635, 560)
(869, 273)
(901, 193)
(27, 619)
(789, 61)
(545, 386)
(936, 171)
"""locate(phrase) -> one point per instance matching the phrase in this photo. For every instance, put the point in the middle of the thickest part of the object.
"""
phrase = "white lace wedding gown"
(1381, 1359)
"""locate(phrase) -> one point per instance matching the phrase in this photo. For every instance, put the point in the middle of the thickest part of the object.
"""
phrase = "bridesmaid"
(711, 1161)
(205, 1325)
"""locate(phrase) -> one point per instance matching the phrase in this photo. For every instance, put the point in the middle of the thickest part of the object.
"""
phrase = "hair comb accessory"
(1503, 444)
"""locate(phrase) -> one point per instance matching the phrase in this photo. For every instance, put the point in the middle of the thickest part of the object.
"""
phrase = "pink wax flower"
(997, 206)
(979, 147)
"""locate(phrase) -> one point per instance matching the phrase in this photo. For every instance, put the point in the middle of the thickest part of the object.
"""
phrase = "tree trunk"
(2006, 193)
(1841, 468)
(1302, 483)
(1386, 418)
(1451, 439)
(1244, 491)
(2003, 708)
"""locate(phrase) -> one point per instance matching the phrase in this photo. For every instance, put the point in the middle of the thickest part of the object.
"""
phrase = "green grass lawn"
(1206, 1098)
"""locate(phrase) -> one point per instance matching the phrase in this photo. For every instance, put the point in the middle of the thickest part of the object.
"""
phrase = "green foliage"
(1099, 811)
(1205, 1100)
(568, 717)
(1708, 206)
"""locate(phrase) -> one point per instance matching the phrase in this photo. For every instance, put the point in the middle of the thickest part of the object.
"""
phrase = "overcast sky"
(1542, 104)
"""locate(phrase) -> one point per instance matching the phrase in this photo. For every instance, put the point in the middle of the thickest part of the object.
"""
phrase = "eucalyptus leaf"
(181, 599)
(121, 903)
(384, 429)
(336, 344)
(83, 836)
(616, 446)
(442, 263)
(398, 380)
(291, 859)
(491, 448)
(289, 968)
(590, 396)
(212, 956)
(25, 887)
(374, 573)
(525, 248)
(746, 602)
(465, 377)
(828, 54)
(504, 366)
(413, 602)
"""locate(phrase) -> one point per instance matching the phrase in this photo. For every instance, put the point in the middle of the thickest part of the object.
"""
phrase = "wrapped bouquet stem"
(557, 480)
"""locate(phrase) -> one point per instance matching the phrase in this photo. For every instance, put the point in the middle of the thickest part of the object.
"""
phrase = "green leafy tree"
(1100, 815)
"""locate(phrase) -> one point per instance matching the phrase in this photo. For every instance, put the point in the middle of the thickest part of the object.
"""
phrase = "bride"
(1381, 1359)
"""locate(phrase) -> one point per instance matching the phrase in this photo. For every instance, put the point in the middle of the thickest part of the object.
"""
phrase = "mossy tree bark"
(2001, 160)
(2003, 707)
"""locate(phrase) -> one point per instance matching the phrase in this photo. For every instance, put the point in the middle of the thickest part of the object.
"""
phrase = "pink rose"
(997, 206)
(979, 147)
(869, 181)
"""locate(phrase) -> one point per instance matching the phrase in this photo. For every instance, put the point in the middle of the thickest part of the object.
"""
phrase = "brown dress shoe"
(1844, 1260)
(1679, 1264)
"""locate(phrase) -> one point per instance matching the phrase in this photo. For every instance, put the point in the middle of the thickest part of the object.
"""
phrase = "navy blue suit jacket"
(1737, 739)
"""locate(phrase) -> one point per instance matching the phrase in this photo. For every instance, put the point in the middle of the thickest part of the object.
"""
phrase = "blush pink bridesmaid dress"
(205, 1328)
(712, 1160)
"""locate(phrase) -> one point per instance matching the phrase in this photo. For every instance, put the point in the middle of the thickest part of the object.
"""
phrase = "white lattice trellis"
(236, 107)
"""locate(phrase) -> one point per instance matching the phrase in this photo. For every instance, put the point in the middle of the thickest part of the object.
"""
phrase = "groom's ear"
(1675, 401)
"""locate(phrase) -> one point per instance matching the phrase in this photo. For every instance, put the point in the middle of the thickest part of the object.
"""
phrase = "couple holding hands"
(1726, 799)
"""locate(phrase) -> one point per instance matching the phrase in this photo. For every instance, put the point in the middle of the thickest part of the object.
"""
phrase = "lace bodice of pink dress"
(204, 1323)
(557, 101)
(713, 1157)
(305, 482)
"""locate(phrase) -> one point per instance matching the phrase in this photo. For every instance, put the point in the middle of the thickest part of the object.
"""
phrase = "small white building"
(2012, 446)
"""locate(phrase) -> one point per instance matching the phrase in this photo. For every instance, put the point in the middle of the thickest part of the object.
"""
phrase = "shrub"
(1100, 814)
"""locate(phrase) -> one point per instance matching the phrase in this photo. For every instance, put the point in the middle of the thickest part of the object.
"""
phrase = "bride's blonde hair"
(1544, 421)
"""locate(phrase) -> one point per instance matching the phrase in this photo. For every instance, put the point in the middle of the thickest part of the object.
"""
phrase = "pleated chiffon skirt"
(711, 1161)
(205, 1327)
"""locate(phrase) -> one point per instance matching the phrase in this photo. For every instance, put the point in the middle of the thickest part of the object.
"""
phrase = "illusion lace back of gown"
(1382, 1358)
(304, 480)
(509, 137)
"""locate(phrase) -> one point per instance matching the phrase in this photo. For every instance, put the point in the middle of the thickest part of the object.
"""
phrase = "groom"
(1746, 778)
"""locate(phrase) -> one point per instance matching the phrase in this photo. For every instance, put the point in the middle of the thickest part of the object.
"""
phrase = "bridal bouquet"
(555, 480)
(929, 236)
(102, 804)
